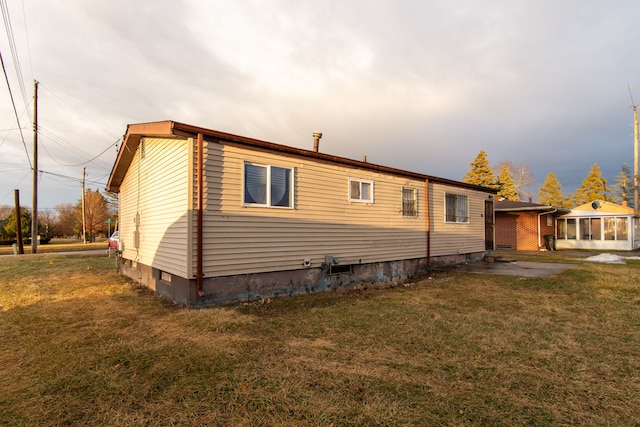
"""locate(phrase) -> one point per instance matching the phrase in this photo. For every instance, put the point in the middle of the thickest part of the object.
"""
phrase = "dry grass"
(58, 245)
(83, 346)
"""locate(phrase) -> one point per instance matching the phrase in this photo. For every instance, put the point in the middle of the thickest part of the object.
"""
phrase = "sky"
(420, 85)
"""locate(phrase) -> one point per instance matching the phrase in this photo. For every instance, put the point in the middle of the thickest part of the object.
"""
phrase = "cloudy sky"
(421, 85)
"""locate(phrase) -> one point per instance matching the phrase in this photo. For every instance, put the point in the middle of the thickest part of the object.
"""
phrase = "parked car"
(113, 241)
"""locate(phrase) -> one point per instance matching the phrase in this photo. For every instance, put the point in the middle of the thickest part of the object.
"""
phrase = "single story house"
(524, 225)
(207, 217)
(599, 225)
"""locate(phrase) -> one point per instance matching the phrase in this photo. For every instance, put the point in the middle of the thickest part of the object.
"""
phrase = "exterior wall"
(456, 238)
(259, 286)
(520, 230)
(506, 230)
(154, 202)
(250, 239)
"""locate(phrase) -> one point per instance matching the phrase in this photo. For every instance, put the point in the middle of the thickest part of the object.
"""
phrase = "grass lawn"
(58, 245)
(82, 345)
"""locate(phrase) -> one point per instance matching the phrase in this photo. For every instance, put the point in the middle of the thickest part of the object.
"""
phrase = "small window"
(268, 185)
(360, 190)
(456, 208)
(409, 202)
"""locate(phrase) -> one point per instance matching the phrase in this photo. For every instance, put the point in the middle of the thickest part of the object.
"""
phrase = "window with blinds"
(266, 185)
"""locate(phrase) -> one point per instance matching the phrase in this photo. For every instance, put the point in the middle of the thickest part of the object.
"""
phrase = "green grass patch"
(81, 345)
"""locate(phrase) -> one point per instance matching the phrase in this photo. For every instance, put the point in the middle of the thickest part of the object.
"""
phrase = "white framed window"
(456, 208)
(409, 202)
(360, 190)
(266, 185)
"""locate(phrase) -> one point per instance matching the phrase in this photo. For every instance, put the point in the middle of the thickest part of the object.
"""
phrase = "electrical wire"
(15, 110)
(14, 51)
(79, 164)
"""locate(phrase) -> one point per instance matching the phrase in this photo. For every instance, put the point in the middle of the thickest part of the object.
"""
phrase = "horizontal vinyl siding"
(252, 239)
(453, 238)
(156, 188)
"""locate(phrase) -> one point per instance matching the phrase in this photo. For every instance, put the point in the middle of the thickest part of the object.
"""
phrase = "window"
(268, 185)
(360, 190)
(456, 208)
(616, 228)
(571, 229)
(409, 202)
(562, 228)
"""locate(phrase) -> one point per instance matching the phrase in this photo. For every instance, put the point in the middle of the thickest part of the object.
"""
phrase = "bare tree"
(67, 224)
(522, 176)
(95, 213)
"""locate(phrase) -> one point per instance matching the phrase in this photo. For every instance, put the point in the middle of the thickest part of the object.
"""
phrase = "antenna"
(635, 152)
(633, 104)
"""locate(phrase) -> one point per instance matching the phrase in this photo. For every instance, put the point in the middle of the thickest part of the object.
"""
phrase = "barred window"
(409, 202)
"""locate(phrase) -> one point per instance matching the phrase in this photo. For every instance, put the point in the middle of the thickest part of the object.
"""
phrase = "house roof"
(603, 206)
(514, 206)
(171, 129)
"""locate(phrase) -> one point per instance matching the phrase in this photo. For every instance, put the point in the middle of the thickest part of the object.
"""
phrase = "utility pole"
(34, 214)
(635, 153)
(84, 227)
(18, 222)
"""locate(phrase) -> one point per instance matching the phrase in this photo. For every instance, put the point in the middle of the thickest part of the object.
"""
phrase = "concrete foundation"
(257, 286)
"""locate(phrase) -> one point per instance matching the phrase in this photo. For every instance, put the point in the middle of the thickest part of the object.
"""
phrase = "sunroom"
(604, 227)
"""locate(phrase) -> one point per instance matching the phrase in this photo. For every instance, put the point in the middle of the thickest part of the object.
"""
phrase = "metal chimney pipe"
(316, 140)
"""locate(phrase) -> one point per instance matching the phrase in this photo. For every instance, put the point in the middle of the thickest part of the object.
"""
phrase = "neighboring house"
(599, 225)
(523, 226)
(207, 217)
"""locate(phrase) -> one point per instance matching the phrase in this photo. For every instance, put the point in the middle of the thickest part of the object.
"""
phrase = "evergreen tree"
(480, 172)
(594, 187)
(10, 225)
(551, 193)
(623, 188)
(506, 185)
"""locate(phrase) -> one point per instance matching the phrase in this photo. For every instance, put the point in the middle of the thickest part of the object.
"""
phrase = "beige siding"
(156, 189)
(453, 238)
(247, 239)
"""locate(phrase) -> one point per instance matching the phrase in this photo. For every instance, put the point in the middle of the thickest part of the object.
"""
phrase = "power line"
(15, 111)
(14, 52)
(82, 163)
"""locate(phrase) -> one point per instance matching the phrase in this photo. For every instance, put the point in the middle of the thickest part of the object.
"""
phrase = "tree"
(46, 222)
(623, 188)
(480, 172)
(10, 228)
(67, 224)
(506, 185)
(5, 211)
(594, 187)
(95, 213)
(522, 177)
(551, 193)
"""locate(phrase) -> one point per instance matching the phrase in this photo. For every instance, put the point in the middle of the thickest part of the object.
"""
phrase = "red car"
(113, 241)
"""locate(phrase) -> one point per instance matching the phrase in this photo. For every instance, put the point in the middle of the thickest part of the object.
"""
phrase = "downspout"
(200, 208)
(428, 225)
(539, 217)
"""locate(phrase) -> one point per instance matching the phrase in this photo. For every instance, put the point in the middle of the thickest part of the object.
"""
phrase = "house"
(524, 225)
(599, 225)
(207, 217)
